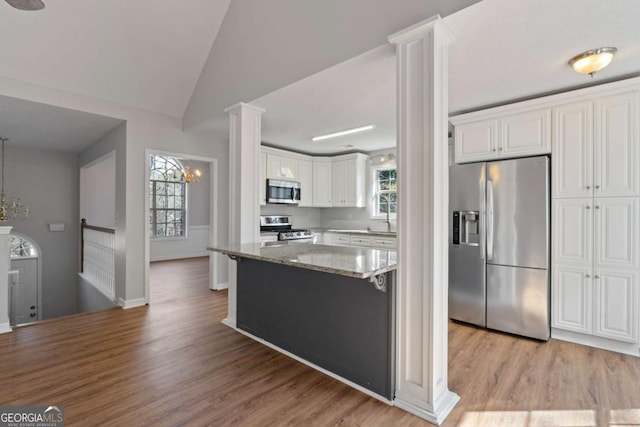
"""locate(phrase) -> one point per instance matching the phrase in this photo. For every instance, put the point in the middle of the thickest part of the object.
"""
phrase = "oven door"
(283, 191)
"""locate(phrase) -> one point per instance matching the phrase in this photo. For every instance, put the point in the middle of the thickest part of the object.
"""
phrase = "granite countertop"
(355, 262)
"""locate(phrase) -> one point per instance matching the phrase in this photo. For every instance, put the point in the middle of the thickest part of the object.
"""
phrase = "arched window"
(21, 247)
(167, 190)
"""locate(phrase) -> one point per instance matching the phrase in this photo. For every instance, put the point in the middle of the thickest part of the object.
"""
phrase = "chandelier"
(189, 175)
(14, 209)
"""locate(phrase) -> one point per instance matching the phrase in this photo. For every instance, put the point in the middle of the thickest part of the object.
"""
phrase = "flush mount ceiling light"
(26, 4)
(592, 60)
(342, 133)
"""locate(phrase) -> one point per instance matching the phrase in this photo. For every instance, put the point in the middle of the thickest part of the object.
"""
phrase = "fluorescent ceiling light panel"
(342, 133)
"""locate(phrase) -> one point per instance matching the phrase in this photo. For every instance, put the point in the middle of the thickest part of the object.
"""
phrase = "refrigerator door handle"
(482, 219)
(489, 220)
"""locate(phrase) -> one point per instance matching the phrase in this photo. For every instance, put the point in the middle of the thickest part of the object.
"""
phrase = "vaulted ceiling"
(142, 53)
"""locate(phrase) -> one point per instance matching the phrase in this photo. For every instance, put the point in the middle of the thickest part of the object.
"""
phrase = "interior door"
(25, 292)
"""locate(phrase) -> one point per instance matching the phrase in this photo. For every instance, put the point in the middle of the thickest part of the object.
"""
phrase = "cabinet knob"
(588, 187)
(494, 150)
(597, 187)
(500, 149)
(588, 276)
(597, 276)
(588, 206)
(33, 315)
(33, 307)
(597, 206)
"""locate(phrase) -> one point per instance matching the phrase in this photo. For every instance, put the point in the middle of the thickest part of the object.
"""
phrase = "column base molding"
(436, 415)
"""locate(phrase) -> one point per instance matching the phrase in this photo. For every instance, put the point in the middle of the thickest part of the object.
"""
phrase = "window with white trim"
(21, 247)
(168, 197)
(385, 196)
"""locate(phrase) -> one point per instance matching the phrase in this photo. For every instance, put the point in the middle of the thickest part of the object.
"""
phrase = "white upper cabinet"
(572, 159)
(503, 135)
(349, 180)
(322, 182)
(476, 141)
(616, 146)
(282, 167)
(305, 176)
(595, 147)
(525, 134)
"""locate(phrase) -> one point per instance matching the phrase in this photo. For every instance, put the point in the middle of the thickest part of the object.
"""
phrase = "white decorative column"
(244, 190)
(4, 279)
(422, 290)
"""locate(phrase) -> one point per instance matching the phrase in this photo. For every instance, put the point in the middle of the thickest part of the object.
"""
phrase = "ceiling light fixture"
(342, 133)
(594, 60)
(26, 4)
(189, 175)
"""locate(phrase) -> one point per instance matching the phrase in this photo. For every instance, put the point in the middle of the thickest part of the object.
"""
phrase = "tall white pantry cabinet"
(596, 221)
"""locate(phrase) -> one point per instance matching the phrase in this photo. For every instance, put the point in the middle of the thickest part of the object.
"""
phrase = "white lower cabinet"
(616, 308)
(595, 271)
(572, 299)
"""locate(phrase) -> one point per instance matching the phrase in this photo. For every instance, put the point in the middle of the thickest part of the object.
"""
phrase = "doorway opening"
(181, 216)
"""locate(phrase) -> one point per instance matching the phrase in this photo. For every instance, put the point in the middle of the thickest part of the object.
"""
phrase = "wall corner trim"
(5, 328)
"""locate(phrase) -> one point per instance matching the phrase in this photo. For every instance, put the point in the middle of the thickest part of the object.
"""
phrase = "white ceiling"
(505, 50)
(357, 92)
(144, 53)
(33, 125)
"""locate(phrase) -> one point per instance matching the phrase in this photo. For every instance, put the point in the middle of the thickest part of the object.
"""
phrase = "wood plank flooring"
(173, 363)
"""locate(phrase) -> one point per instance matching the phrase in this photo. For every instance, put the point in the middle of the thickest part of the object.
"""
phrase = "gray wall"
(198, 195)
(98, 192)
(48, 182)
(91, 299)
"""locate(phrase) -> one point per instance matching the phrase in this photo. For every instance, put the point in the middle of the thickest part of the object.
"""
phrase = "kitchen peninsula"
(332, 307)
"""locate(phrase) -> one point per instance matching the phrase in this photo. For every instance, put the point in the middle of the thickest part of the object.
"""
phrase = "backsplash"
(352, 218)
(300, 217)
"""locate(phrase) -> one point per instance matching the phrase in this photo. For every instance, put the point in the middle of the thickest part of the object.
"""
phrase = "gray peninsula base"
(342, 324)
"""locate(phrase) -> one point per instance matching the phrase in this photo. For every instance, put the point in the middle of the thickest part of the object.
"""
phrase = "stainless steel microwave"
(279, 191)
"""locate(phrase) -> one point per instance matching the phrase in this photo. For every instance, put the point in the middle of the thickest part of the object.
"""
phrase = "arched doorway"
(25, 293)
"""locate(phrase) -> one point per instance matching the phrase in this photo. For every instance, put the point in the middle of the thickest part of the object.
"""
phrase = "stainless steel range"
(282, 225)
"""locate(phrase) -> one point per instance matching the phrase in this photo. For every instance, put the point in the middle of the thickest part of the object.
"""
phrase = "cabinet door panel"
(263, 179)
(616, 146)
(339, 177)
(616, 305)
(322, 183)
(305, 176)
(571, 299)
(617, 239)
(525, 133)
(573, 150)
(475, 141)
(572, 231)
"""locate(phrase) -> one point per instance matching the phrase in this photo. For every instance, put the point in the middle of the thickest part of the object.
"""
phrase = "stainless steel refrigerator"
(499, 245)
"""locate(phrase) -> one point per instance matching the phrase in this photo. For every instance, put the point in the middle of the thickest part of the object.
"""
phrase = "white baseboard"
(131, 303)
(220, 286)
(5, 328)
(181, 256)
(597, 342)
(318, 368)
(229, 323)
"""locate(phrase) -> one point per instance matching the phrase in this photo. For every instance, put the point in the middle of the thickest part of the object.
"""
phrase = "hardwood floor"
(173, 363)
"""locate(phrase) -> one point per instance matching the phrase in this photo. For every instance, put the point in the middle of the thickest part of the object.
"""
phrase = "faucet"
(388, 221)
